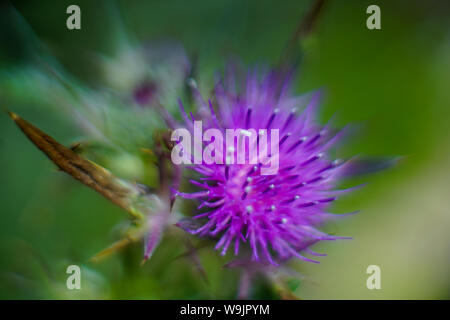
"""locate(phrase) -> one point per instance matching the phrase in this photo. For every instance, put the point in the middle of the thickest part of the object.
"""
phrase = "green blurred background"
(393, 83)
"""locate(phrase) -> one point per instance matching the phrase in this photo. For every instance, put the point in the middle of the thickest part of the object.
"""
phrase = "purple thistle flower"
(275, 215)
(144, 93)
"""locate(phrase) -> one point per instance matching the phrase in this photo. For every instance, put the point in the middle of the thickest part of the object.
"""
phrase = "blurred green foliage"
(393, 83)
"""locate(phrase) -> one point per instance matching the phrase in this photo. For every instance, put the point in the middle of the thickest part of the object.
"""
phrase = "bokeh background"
(392, 83)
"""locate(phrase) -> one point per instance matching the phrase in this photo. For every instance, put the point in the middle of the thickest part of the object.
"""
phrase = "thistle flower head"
(275, 215)
(149, 73)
